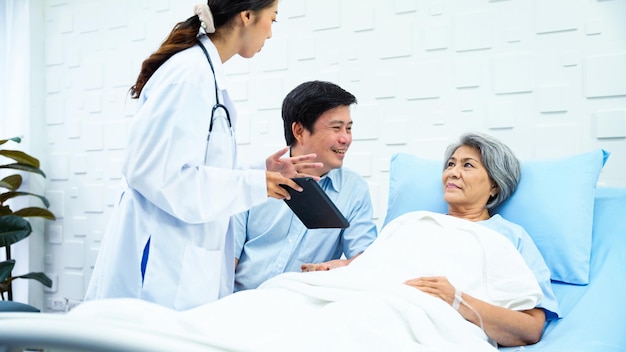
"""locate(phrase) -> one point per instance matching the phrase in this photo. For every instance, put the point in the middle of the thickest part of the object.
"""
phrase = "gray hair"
(502, 165)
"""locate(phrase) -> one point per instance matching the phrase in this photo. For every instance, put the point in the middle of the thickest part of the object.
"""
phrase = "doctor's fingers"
(276, 191)
(315, 165)
(276, 162)
(278, 157)
(275, 182)
(301, 174)
(300, 158)
(279, 153)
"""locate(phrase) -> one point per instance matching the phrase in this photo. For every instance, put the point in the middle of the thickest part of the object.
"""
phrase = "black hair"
(184, 35)
(308, 101)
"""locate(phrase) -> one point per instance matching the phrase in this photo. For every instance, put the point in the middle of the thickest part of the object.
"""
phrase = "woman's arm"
(505, 326)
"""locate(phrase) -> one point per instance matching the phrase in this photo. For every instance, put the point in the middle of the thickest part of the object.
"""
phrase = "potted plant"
(14, 225)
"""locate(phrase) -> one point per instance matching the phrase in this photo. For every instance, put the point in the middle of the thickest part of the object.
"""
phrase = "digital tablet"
(313, 207)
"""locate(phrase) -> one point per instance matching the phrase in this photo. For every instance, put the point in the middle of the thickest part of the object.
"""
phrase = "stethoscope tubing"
(217, 105)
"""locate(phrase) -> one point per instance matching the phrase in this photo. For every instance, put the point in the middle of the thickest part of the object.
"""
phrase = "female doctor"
(169, 239)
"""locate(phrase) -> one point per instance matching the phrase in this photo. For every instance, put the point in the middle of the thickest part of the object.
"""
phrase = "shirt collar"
(334, 179)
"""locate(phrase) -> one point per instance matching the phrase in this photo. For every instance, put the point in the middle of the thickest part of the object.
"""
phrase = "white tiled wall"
(546, 76)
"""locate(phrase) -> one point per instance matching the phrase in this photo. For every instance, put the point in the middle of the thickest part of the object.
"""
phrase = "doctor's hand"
(274, 180)
(287, 166)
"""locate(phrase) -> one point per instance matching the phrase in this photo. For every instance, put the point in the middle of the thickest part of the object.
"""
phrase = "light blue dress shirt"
(270, 239)
(533, 258)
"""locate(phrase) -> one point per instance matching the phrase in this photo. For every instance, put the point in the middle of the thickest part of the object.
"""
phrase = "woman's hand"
(437, 286)
(274, 180)
(505, 326)
(287, 166)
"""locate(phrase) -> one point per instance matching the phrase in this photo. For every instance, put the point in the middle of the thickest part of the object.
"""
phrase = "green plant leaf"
(41, 277)
(20, 157)
(8, 195)
(5, 269)
(14, 139)
(5, 210)
(23, 167)
(12, 182)
(13, 229)
(35, 212)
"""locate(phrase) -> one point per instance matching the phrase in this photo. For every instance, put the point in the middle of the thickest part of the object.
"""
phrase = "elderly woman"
(480, 282)
(479, 174)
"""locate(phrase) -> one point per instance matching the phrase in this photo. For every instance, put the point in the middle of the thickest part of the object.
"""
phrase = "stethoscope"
(217, 105)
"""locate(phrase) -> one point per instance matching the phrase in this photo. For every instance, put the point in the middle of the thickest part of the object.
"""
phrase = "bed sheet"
(361, 307)
(594, 315)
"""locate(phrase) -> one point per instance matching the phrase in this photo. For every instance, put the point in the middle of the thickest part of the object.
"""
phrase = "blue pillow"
(553, 202)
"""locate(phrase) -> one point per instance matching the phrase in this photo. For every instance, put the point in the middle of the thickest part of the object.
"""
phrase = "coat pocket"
(199, 277)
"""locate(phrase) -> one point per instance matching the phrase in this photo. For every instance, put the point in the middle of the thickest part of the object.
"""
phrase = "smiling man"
(269, 238)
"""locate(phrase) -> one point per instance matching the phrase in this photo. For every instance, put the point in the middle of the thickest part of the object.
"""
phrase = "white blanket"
(364, 306)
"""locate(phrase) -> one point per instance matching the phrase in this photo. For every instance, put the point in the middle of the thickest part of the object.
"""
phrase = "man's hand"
(332, 264)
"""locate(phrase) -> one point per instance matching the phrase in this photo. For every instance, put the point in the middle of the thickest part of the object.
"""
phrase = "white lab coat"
(172, 197)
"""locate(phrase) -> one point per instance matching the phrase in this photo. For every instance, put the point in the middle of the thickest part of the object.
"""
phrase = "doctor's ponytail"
(184, 35)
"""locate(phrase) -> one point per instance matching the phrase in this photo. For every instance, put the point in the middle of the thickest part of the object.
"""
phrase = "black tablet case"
(313, 207)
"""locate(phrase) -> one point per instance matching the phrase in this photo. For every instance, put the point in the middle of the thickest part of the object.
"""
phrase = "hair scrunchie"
(206, 17)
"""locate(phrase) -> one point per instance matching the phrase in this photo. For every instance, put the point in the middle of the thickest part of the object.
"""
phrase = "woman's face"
(258, 30)
(466, 184)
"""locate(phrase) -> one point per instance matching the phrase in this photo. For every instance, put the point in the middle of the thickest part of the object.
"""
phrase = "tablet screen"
(313, 207)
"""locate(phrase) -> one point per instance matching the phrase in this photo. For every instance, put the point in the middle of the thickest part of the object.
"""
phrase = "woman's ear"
(494, 190)
(245, 17)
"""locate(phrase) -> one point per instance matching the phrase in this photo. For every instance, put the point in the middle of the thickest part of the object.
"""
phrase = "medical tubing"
(458, 293)
(480, 319)
(458, 300)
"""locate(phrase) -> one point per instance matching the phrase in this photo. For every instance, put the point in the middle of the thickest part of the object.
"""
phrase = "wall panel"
(546, 76)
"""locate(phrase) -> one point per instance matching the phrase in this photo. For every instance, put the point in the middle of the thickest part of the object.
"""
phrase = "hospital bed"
(593, 246)
(579, 228)
(594, 315)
